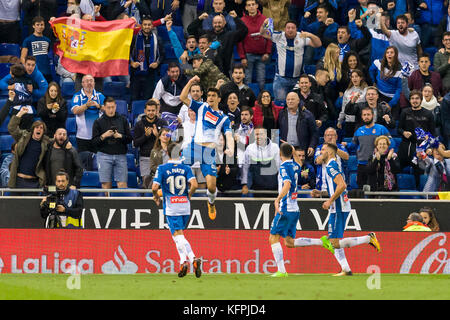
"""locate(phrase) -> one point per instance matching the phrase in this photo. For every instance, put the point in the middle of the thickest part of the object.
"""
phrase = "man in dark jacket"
(227, 39)
(59, 157)
(382, 113)
(312, 101)
(245, 95)
(168, 89)
(111, 135)
(298, 125)
(145, 134)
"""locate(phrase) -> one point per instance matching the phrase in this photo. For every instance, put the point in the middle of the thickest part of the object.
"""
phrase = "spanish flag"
(98, 48)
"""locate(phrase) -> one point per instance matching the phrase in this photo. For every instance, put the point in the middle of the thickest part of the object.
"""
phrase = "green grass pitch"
(224, 287)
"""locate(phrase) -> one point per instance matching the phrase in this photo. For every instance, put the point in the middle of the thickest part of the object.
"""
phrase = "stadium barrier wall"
(232, 214)
(225, 251)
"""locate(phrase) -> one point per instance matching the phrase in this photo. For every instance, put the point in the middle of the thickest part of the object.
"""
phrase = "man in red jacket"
(254, 50)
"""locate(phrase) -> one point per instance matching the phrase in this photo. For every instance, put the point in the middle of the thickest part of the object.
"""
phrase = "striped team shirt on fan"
(209, 123)
(173, 177)
(342, 204)
(290, 54)
(289, 171)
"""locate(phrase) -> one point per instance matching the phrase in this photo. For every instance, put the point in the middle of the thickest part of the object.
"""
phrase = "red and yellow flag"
(98, 48)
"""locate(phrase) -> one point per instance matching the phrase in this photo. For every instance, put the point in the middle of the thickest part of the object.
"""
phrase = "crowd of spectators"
(364, 74)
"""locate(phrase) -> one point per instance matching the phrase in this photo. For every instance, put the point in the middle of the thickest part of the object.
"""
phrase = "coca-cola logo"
(438, 259)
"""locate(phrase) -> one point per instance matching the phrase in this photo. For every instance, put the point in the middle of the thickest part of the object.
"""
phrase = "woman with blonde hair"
(331, 63)
(383, 166)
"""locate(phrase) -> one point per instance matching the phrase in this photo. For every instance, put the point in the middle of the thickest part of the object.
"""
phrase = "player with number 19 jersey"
(173, 177)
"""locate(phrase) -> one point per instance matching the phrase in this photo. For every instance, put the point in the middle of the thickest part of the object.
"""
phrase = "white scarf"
(430, 105)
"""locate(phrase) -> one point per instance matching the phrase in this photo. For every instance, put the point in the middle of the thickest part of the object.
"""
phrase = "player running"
(339, 208)
(209, 123)
(173, 178)
(287, 211)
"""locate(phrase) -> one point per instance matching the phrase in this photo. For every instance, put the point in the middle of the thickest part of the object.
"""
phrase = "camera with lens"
(55, 197)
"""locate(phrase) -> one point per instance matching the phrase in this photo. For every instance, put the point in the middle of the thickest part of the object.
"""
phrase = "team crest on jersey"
(211, 118)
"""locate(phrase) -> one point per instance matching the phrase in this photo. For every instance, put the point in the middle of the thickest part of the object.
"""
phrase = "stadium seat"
(9, 49)
(406, 181)
(163, 69)
(71, 125)
(397, 141)
(68, 89)
(73, 140)
(410, 197)
(255, 88)
(123, 194)
(408, 170)
(310, 69)
(423, 181)
(169, 53)
(347, 140)
(90, 179)
(353, 181)
(270, 72)
(269, 87)
(4, 126)
(352, 164)
(6, 142)
(137, 108)
(4, 69)
(122, 108)
(131, 162)
(69, 108)
(132, 181)
(280, 103)
(115, 89)
(321, 140)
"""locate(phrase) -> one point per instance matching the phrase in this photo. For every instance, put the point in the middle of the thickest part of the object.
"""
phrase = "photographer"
(111, 135)
(63, 207)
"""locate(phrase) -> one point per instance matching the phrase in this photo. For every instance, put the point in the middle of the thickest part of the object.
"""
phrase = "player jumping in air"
(339, 208)
(210, 122)
(173, 178)
(287, 211)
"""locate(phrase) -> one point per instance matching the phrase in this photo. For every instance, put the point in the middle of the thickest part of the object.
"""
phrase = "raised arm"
(184, 95)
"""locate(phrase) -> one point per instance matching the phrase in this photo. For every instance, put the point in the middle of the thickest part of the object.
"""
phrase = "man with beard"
(227, 39)
(27, 168)
(146, 56)
(245, 94)
(406, 41)
(59, 157)
(364, 140)
(145, 134)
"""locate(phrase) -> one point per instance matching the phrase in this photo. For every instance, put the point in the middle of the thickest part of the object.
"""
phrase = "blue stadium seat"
(353, 180)
(169, 53)
(137, 108)
(269, 87)
(423, 181)
(73, 140)
(132, 181)
(4, 126)
(71, 125)
(347, 140)
(408, 170)
(4, 69)
(352, 164)
(115, 89)
(69, 108)
(397, 141)
(131, 162)
(270, 72)
(68, 89)
(255, 88)
(310, 69)
(122, 108)
(280, 103)
(9, 49)
(90, 179)
(406, 181)
(6, 142)
(163, 69)
(410, 197)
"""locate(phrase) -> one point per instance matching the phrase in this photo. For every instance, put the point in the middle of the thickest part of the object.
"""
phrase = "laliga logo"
(412, 256)
(121, 265)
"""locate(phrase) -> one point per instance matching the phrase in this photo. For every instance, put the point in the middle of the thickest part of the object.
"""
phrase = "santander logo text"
(438, 258)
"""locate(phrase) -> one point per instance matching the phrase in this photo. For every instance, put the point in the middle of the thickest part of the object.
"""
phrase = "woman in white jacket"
(356, 92)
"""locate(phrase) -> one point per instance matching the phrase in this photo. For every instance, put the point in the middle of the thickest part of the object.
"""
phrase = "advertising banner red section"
(230, 251)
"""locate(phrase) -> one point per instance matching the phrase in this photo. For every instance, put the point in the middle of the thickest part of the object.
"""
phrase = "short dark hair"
(347, 29)
(17, 70)
(367, 108)
(286, 150)
(247, 108)
(416, 92)
(190, 37)
(146, 17)
(402, 17)
(36, 20)
(446, 34)
(212, 89)
(205, 36)
(304, 76)
(291, 21)
(424, 55)
(32, 58)
(173, 65)
(237, 66)
(62, 172)
(331, 146)
(109, 99)
(151, 102)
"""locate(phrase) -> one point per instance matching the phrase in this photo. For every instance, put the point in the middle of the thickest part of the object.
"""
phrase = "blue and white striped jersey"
(86, 120)
(173, 177)
(342, 204)
(289, 171)
(290, 54)
(209, 123)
